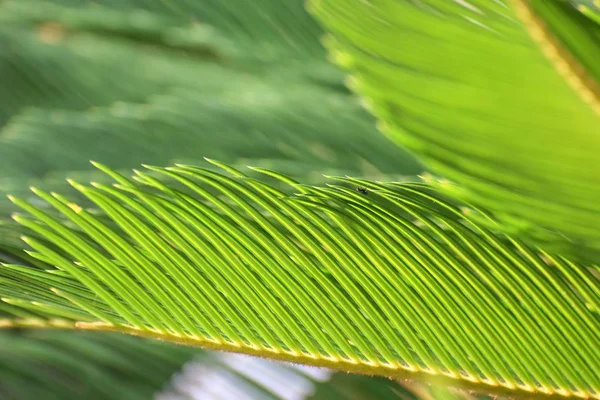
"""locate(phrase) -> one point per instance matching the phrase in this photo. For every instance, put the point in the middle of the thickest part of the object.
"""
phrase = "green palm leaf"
(511, 117)
(392, 280)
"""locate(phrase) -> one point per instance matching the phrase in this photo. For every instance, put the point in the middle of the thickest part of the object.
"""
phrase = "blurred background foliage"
(157, 82)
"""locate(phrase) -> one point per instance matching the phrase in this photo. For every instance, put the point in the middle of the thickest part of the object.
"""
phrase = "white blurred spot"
(234, 376)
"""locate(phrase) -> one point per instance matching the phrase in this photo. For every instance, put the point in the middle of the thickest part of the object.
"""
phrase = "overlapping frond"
(390, 280)
(498, 96)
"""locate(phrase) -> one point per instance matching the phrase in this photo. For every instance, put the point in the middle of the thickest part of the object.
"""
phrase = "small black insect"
(362, 190)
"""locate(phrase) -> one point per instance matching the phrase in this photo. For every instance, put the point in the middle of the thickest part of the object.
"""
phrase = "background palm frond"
(113, 82)
(52, 365)
(465, 86)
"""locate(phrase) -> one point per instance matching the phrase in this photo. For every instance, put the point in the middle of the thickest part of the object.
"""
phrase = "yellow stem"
(565, 63)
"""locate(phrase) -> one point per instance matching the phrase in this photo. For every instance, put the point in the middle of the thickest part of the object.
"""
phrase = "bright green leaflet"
(393, 281)
(464, 86)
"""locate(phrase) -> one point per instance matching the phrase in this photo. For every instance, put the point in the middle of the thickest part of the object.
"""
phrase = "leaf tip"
(76, 185)
(75, 207)
(99, 165)
(153, 167)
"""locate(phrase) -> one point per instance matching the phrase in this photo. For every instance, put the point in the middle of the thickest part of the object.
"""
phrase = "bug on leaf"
(362, 190)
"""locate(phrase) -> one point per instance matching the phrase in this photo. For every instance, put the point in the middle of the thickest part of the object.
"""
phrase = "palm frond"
(61, 364)
(390, 280)
(511, 117)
